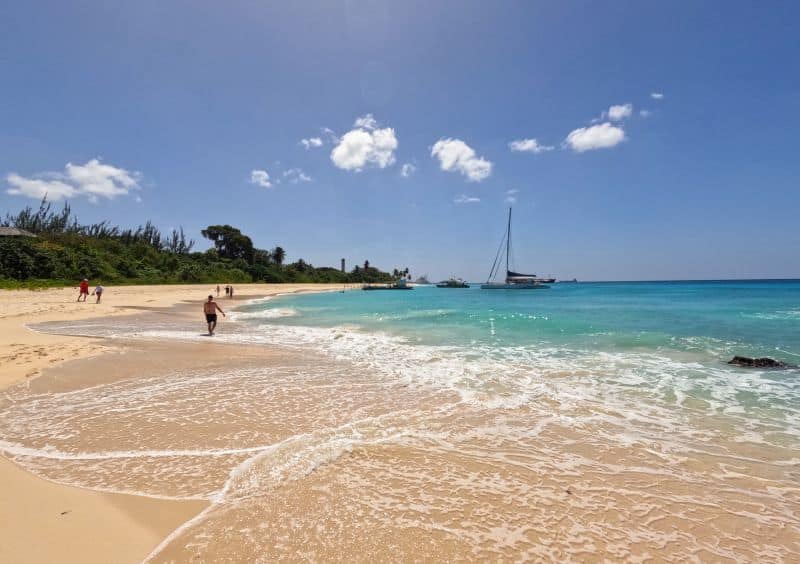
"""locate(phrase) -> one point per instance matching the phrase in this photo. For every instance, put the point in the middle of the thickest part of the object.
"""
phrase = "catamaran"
(514, 280)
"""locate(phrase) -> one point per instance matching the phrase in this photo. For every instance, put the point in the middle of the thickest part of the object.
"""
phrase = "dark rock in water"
(764, 362)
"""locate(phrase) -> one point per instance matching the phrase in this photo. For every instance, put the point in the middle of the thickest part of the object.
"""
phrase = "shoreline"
(80, 524)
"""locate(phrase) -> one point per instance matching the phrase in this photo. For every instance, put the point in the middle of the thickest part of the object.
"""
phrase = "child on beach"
(98, 291)
(210, 308)
(84, 290)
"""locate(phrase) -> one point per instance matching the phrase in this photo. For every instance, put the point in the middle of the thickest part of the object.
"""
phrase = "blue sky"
(164, 110)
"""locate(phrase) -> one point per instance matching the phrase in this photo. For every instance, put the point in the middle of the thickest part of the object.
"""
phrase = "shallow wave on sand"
(355, 445)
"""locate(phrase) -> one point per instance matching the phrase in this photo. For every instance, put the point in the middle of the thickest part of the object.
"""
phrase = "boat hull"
(523, 286)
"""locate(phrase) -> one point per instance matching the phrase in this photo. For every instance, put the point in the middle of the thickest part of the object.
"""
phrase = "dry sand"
(46, 522)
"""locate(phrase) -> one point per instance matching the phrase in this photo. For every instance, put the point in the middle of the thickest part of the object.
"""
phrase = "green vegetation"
(64, 251)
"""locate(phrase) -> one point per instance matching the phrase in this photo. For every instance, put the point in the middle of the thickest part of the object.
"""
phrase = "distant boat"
(452, 283)
(514, 280)
(399, 285)
(422, 280)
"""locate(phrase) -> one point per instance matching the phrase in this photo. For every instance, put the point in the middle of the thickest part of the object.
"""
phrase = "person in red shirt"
(84, 290)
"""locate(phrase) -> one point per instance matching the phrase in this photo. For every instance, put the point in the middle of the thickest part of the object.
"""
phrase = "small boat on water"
(452, 283)
(422, 280)
(513, 280)
(399, 285)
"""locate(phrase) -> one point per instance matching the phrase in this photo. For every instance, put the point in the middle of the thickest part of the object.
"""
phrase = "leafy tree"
(230, 242)
(278, 255)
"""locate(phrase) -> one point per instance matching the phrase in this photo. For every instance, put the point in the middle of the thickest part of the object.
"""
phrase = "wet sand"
(43, 521)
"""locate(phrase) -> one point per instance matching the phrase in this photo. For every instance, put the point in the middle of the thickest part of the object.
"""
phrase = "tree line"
(64, 250)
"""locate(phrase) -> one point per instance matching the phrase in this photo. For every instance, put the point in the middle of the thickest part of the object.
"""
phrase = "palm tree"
(366, 265)
(278, 255)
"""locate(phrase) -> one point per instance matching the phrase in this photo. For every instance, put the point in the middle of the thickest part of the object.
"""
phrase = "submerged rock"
(763, 362)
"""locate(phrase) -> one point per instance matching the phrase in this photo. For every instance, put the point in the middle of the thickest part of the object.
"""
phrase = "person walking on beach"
(217, 290)
(227, 289)
(210, 308)
(84, 290)
(98, 291)
(231, 295)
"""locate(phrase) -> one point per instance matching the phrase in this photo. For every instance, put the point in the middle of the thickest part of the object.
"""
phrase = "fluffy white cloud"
(39, 188)
(620, 112)
(296, 175)
(311, 142)
(601, 136)
(365, 145)
(366, 122)
(464, 199)
(101, 180)
(511, 196)
(94, 180)
(656, 95)
(407, 170)
(260, 178)
(455, 155)
(528, 146)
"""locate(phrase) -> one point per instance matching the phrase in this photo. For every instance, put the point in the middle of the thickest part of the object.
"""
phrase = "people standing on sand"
(217, 290)
(84, 290)
(231, 295)
(98, 291)
(227, 289)
(210, 308)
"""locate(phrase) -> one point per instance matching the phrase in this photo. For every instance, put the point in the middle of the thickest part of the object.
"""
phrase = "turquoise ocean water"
(664, 344)
(713, 319)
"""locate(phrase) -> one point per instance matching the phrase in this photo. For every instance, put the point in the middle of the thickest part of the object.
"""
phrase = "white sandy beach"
(42, 521)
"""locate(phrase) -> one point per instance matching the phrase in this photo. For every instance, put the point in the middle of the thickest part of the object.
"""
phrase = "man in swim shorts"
(210, 308)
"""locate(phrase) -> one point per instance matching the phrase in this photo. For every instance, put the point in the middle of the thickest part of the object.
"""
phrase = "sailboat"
(514, 280)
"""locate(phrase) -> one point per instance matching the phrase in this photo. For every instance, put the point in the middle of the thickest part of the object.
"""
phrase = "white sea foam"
(271, 313)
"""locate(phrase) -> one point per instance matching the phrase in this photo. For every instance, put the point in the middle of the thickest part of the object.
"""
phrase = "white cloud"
(330, 134)
(645, 113)
(620, 112)
(365, 145)
(260, 178)
(528, 146)
(455, 155)
(656, 95)
(39, 188)
(511, 197)
(94, 180)
(101, 180)
(601, 136)
(311, 142)
(464, 199)
(296, 175)
(407, 170)
(366, 122)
